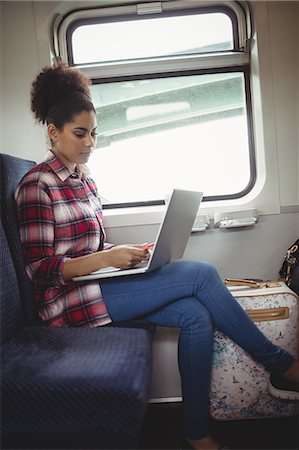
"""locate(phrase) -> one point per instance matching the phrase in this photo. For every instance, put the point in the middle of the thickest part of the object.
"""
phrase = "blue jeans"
(191, 295)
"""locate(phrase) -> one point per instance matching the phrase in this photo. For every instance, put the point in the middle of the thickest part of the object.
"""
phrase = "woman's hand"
(127, 256)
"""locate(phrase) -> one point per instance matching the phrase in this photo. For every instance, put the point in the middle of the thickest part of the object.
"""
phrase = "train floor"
(162, 430)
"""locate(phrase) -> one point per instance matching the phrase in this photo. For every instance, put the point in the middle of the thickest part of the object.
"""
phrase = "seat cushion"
(75, 387)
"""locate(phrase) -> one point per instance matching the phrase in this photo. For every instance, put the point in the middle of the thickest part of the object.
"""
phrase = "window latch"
(247, 45)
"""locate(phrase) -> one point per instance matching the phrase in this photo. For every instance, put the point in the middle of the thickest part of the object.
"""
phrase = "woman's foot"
(207, 443)
(286, 386)
(283, 388)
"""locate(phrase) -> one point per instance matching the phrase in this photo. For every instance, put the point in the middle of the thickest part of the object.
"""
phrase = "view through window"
(156, 134)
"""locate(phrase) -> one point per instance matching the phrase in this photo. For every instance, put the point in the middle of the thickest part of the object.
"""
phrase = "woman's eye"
(80, 134)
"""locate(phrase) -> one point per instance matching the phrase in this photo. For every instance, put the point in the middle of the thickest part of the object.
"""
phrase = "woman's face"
(74, 143)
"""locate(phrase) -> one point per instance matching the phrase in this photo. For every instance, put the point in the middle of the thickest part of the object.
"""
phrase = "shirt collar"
(59, 168)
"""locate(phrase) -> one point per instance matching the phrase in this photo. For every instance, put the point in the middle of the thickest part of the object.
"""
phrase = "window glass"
(181, 131)
(151, 37)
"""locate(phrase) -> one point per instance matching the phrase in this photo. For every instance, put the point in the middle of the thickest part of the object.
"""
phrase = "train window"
(172, 94)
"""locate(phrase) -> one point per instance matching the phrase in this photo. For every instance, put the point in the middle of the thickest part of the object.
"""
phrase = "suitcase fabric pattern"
(239, 385)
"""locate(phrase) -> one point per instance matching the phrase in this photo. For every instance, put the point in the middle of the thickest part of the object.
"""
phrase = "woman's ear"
(52, 132)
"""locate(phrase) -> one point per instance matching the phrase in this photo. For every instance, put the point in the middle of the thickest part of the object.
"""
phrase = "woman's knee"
(195, 315)
(197, 268)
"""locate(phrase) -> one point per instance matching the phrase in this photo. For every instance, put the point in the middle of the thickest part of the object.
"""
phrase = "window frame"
(132, 17)
(213, 62)
(61, 23)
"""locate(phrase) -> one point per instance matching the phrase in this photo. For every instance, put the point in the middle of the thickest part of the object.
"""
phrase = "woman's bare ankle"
(293, 372)
(207, 443)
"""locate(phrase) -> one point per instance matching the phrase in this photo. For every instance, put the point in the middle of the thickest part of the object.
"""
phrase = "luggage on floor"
(239, 385)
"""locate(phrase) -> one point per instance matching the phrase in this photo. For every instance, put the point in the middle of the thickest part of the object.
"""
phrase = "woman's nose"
(89, 141)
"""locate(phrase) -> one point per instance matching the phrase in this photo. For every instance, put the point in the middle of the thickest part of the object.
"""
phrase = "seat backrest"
(12, 170)
(11, 311)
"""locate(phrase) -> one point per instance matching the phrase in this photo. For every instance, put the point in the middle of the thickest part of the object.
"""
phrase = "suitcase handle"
(261, 315)
(250, 283)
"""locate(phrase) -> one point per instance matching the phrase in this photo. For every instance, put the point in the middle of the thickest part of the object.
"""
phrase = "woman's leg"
(195, 349)
(136, 296)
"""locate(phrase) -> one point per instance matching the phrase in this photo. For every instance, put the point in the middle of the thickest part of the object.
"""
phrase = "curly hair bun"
(53, 85)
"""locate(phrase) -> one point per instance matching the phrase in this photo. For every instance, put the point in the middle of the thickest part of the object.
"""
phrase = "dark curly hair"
(59, 93)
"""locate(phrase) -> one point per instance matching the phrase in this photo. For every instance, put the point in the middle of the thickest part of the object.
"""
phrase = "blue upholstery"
(74, 388)
(66, 388)
(10, 302)
(12, 169)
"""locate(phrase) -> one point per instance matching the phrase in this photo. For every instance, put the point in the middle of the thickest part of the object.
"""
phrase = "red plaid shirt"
(60, 217)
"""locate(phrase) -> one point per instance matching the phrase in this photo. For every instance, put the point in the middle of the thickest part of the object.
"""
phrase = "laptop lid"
(175, 228)
(172, 237)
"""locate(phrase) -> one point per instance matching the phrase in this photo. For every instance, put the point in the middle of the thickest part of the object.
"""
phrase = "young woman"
(62, 235)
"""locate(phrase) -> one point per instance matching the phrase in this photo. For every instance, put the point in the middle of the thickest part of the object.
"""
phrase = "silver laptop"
(171, 240)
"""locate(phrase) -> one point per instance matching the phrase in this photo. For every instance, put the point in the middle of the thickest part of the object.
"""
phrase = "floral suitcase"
(239, 385)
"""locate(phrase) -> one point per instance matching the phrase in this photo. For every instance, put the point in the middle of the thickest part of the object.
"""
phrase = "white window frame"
(259, 196)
